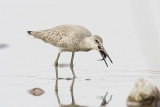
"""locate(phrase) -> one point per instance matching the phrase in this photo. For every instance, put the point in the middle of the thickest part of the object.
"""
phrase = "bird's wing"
(58, 36)
(63, 35)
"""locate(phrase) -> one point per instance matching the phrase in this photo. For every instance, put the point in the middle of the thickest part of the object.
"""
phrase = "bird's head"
(97, 44)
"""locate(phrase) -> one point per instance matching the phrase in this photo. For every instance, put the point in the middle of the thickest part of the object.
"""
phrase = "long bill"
(104, 54)
(108, 56)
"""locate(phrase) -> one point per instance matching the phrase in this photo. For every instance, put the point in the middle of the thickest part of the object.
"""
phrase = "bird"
(71, 38)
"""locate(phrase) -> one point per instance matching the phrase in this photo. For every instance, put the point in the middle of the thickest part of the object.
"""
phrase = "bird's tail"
(33, 33)
(29, 32)
(36, 34)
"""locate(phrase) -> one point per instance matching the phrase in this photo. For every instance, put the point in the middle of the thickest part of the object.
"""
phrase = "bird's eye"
(96, 41)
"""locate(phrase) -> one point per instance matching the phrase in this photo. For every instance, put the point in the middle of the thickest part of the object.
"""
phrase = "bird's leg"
(74, 76)
(56, 64)
(56, 61)
(56, 68)
(71, 64)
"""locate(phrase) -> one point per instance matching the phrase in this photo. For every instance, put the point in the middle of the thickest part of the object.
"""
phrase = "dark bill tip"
(105, 62)
(110, 59)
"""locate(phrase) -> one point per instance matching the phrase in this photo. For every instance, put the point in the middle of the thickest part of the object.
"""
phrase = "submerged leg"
(56, 64)
(71, 64)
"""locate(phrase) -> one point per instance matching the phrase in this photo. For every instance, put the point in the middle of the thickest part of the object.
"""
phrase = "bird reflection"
(64, 65)
(73, 104)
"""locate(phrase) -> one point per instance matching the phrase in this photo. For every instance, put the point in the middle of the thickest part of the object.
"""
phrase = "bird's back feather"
(63, 36)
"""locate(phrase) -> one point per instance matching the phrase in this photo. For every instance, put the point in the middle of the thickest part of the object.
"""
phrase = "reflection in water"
(73, 104)
(104, 102)
(63, 65)
(142, 106)
(56, 69)
(36, 91)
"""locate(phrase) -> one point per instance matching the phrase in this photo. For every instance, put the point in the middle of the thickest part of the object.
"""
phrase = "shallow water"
(24, 67)
(27, 63)
(87, 90)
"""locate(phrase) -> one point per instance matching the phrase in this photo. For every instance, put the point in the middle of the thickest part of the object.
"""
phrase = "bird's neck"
(86, 44)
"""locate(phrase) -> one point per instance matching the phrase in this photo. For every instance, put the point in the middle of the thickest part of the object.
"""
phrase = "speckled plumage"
(71, 38)
(66, 37)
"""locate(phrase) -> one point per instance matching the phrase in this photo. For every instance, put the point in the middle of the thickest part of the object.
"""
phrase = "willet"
(72, 38)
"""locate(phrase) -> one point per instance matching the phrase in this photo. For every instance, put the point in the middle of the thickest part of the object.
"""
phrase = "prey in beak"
(104, 54)
(97, 44)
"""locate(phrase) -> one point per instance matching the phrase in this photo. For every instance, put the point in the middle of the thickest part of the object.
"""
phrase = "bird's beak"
(104, 54)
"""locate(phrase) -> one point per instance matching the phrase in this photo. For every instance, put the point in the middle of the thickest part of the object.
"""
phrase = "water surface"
(87, 90)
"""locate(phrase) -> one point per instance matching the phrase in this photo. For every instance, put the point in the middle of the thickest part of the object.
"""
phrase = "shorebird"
(71, 38)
